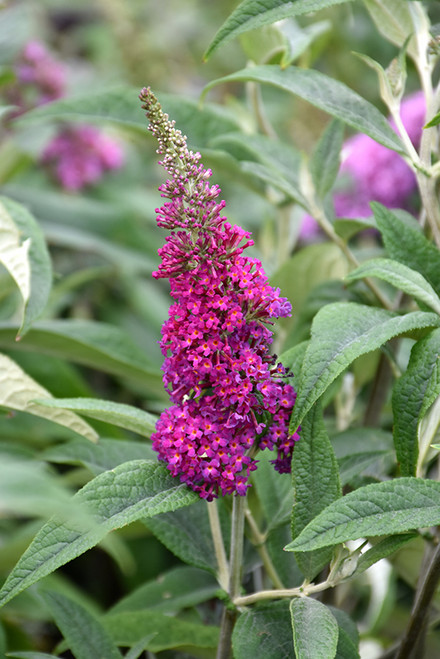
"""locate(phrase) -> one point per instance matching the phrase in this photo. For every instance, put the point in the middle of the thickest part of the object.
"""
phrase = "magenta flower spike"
(229, 395)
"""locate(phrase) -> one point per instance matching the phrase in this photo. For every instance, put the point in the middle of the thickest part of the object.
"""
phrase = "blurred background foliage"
(103, 245)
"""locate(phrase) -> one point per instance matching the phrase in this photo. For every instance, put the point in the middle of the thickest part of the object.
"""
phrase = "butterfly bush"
(229, 394)
(371, 172)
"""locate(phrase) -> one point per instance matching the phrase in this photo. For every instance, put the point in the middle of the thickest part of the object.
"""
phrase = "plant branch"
(219, 547)
(421, 607)
(258, 540)
(235, 565)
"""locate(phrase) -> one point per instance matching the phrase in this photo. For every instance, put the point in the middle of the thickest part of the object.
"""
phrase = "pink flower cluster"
(80, 155)
(376, 173)
(39, 75)
(371, 172)
(229, 395)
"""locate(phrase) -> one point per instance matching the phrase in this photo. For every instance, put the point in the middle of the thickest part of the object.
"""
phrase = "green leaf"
(390, 507)
(401, 276)
(405, 242)
(383, 549)
(18, 391)
(264, 631)
(325, 93)
(349, 227)
(31, 655)
(96, 345)
(85, 636)
(121, 106)
(106, 454)
(348, 641)
(177, 589)
(281, 161)
(394, 21)
(315, 482)
(28, 488)
(274, 492)
(309, 616)
(24, 254)
(251, 14)
(299, 275)
(119, 414)
(115, 498)
(188, 535)
(138, 648)
(413, 394)
(325, 161)
(129, 627)
(341, 332)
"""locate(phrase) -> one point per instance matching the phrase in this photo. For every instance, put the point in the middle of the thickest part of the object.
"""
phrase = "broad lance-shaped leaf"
(97, 345)
(413, 394)
(132, 491)
(325, 161)
(18, 391)
(85, 636)
(24, 254)
(251, 14)
(315, 482)
(309, 616)
(119, 414)
(264, 631)
(325, 93)
(121, 106)
(399, 275)
(390, 507)
(341, 332)
(130, 627)
(405, 242)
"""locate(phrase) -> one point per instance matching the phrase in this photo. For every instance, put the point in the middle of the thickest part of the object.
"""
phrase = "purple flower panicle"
(228, 393)
(80, 155)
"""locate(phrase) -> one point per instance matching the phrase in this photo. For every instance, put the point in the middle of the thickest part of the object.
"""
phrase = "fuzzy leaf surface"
(309, 615)
(105, 454)
(404, 242)
(251, 14)
(18, 391)
(341, 332)
(85, 636)
(132, 491)
(402, 277)
(316, 484)
(325, 161)
(413, 394)
(390, 507)
(264, 631)
(176, 589)
(119, 414)
(129, 627)
(382, 549)
(325, 93)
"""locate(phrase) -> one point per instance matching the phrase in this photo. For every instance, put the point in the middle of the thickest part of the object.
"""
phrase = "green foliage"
(128, 559)
(316, 485)
(251, 14)
(113, 499)
(307, 616)
(381, 508)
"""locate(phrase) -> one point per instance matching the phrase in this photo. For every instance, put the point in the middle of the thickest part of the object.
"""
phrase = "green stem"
(258, 540)
(300, 591)
(219, 547)
(235, 565)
